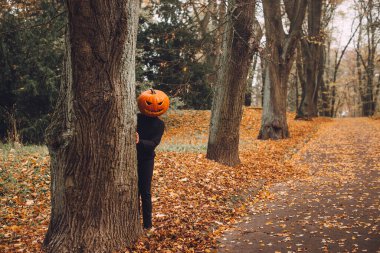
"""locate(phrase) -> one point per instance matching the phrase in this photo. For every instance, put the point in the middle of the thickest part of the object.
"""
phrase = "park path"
(336, 209)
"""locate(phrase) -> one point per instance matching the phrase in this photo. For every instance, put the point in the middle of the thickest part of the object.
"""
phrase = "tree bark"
(280, 49)
(328, 10)
(250, 92)
(369, 12)
(91, 138)
(333, 96)
(311, 49)
(359, 70)
(320, 77)
(325, 86)
(238, 47)
(377, 93)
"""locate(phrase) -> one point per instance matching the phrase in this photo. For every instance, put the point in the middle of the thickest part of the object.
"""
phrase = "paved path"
(337, 209)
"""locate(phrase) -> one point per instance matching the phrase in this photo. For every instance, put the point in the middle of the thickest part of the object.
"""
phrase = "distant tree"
(338, 57)
(310, 61)
(255, 83)
(252, 92)
(31, 50)
(280, 47)
(91, 138)
(171, 54)
(367, 51)
(328, 12)
(239, 45)
(210, 16)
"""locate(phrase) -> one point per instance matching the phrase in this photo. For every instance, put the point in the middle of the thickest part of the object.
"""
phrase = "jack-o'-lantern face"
(153, 103)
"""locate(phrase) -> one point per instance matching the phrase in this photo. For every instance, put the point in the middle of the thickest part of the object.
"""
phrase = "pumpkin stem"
(151, 90)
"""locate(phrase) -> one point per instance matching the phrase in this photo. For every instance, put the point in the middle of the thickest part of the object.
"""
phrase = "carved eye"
(148, 103)
(160, 103)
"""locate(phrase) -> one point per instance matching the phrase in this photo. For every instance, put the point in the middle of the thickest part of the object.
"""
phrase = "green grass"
(167, 146)
(6, 149)
(13, 159)
(197, 143)
(182, 147)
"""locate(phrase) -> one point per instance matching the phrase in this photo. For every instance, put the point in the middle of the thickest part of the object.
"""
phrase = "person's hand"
(137, 138)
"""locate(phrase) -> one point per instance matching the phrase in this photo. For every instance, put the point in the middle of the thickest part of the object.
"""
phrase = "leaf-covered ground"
(194, 199)
(335, 209)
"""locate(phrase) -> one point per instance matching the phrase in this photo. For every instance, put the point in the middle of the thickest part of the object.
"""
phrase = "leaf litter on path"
(335, 209)
(194, 199)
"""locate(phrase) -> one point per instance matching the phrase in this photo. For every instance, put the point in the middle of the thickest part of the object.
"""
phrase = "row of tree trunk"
(91, 138)
(238, 49)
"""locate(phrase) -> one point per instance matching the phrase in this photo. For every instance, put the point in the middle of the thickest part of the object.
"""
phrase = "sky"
(342, 22)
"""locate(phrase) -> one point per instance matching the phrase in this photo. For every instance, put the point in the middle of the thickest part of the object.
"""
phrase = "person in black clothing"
(149, 133)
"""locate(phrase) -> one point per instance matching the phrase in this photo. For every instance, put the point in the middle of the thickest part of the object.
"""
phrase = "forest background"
(286, 61)
(178, 48)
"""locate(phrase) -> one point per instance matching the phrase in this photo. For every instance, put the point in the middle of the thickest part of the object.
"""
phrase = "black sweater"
(150, 130)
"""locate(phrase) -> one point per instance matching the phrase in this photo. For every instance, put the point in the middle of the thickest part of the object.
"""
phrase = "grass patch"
(8, 149)
(182, 148)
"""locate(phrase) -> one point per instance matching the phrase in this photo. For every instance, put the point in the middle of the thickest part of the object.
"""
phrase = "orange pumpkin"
(153, 103)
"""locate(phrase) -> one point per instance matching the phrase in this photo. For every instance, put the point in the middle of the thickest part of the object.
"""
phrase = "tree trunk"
(320, 77)
(311, 48)
(13, 136)
(328, 10)
(280, 49)
(377, 93)
(91, 138)
(325, 100)
(300, 71)
(296, 87)
(370, 66)
(263, 67)
(368, 105)
(325, 87)
(338, 60)
(256, 82)
(238, 47)
(333, 95)
(250, 93)
(211, 22)
(372, 32)
(359, 72)
(274, 124)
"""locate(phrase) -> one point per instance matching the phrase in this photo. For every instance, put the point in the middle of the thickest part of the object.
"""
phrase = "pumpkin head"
(153, 103)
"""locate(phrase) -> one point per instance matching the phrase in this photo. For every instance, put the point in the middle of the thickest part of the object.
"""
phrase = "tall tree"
(239, 45)
(310, 69)
(337, 61)
(210, 16)
(329, 10)
(29, 77)
(369, 19)
(280, 49)
(91, 138)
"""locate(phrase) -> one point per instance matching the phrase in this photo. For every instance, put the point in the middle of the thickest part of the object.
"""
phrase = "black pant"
(145, 173)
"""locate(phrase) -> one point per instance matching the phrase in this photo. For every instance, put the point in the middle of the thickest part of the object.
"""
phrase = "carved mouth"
(153, 112)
